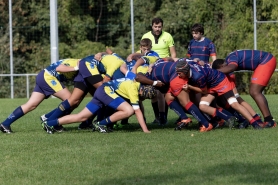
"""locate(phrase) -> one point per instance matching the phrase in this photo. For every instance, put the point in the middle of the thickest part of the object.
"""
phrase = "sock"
(47, 115)
(196, 113)
(53, 122)
(257, 118)
(155, 109)
(222, 113)
(16, 114)
(268, 118)
(63, 108)
(177, 108)
(239, 117)
(105, 121)
(252, 121)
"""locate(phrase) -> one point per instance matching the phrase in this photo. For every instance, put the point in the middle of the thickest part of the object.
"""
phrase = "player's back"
(164, 71)
(248, 59)
(205, 76)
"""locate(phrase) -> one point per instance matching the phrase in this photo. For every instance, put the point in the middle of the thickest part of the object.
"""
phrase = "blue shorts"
(104, 95)
(47, 84)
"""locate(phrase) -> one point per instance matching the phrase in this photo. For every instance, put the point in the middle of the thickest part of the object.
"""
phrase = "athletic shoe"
(156, 121)
(43, 118)
(257, 125)
(206, 129)
(270, 124)
(59, 128)
(85, 125)
(100, 128)
(6, 129)
(231, 121)
(48, 129)
(243, 124)
(183, 124)
(219, 123)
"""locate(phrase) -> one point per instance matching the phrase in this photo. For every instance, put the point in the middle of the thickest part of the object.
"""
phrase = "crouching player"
(112, 94)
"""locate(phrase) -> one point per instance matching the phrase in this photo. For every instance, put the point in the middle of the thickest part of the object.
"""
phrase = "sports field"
(128, 156)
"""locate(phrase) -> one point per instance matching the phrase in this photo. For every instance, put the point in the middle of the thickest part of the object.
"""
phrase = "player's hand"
(159, 84)
(185, 87)
(106, 79)
(129, 58)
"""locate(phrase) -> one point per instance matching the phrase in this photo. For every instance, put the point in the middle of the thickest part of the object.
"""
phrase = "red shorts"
(263, 72)
(232, 79)
(176, 85)
(222, 88)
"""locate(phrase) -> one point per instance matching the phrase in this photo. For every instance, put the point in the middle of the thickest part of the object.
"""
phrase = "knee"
(129, 112)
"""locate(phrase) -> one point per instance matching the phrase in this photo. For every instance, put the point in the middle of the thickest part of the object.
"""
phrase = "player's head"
(145, 45)
(147, 92)
(197, 31)
(157, 24)
(218, 63)
(182, 68)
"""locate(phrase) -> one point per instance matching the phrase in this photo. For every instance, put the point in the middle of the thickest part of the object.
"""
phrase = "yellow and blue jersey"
(63, 76)
(124, 87)
(109, 64)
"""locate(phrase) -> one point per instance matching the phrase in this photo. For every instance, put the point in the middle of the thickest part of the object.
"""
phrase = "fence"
(40, 39)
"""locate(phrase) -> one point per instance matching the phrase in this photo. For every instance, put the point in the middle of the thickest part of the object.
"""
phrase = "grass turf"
(128, 156)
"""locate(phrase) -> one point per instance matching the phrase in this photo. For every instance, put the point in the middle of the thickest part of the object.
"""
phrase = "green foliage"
(87, 26)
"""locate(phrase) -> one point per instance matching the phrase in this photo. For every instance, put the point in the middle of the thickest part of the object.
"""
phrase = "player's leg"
(259, 81)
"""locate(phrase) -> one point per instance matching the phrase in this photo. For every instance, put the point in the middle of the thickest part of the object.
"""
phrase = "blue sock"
(16, 114)
(236, 114)
(63, 108)
(222, 113)
(47, 115)
(177, 108)
(105, 121)
(196, 113)
(53, 122)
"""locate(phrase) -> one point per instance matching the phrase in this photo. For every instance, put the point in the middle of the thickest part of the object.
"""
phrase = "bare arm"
(64, 69)
(140, 118)
(173, 52)
(144, 80)
(228, 69)
(196, 89)
(137, 64)
(134, 56)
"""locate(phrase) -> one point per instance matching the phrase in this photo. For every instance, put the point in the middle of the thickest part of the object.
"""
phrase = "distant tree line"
(87, 26)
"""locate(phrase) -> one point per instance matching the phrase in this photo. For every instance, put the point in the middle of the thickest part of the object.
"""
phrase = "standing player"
(48, 82)
(163, 44)
(162, 41)
(263, 64)
(200, 46)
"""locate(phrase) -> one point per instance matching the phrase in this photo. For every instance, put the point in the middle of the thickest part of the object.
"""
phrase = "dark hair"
(146, 42)
(217, 63)
(182, 66)
(157, 20)
(198, 28)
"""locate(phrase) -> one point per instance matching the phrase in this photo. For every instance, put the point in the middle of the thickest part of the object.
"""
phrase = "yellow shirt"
(165, 41)
(126, 88)
(111, 63)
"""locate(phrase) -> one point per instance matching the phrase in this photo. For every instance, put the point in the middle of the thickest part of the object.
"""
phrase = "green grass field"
(164, 157)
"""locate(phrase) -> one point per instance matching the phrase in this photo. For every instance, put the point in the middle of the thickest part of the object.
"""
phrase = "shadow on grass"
(228, 173)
